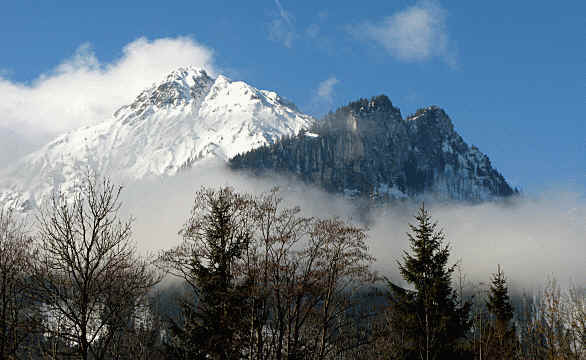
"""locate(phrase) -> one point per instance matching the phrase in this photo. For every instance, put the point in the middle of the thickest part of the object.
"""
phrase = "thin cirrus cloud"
(282, 28)
(83, 91)
(417, 33)
(312, 30)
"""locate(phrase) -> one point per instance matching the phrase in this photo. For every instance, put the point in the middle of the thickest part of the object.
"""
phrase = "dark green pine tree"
(430, 321)
(502, 339)
(213, 326)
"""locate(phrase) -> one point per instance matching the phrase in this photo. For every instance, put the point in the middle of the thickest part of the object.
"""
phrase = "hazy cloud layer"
(417, 33)
(162, 205)
(12, 146)
(531, 238)
(82, 90)
(282, 27)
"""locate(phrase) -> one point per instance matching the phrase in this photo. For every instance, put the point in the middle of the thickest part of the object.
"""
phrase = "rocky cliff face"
(367, 149)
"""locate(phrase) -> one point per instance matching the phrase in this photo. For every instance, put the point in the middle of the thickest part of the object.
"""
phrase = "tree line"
(258, 280)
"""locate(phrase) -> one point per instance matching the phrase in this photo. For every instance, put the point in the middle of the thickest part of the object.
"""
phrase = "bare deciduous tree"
(304, 274)
(554, 324)
(17, 320)
(300, 275)
(87, 273)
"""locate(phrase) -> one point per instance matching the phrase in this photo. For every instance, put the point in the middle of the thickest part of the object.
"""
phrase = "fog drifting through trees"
(532, 237)
(272, 280)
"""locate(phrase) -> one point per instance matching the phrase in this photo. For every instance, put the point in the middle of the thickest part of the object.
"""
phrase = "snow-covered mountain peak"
(186, 74)
(179, 88)
(183, 119)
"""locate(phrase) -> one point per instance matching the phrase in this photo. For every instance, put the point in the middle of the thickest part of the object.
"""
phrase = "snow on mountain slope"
(186, 118)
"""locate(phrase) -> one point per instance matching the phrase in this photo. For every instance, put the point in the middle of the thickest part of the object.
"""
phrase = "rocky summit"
(367, 149)
(364, 149)
(186, 118)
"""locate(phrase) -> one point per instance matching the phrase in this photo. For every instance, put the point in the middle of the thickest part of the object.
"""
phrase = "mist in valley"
(533, 237)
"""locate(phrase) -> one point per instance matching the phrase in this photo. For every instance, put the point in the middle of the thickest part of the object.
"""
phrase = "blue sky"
(510, 74)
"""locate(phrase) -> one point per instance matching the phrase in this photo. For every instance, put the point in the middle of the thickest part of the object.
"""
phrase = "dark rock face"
(367, 149)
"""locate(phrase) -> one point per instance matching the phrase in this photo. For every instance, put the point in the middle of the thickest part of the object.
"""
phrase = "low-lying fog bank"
(531, 237)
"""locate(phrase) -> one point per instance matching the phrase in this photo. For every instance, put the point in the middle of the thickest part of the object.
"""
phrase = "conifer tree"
(429, 321)
(502, 340)
(213, 326)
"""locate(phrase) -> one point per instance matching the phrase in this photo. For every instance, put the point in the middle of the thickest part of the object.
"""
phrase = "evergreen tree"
(213, 325)
(430, 321)
(502, 340)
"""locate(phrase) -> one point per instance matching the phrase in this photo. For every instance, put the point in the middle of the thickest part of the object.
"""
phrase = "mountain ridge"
(186, 118)
(367, 148)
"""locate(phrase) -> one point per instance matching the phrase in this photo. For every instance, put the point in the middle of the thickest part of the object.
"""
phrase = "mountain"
(186, 118)
(367, 149)
(363, 149)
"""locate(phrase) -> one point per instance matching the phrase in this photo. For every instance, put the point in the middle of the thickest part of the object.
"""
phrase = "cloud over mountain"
(83, 90)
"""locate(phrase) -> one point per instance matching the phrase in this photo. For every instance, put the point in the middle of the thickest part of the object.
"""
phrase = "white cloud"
(82, 90)
(282, 28)
(323, 98)
(415, 34)
(326, 88)
(531, 237)
(13, 146)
